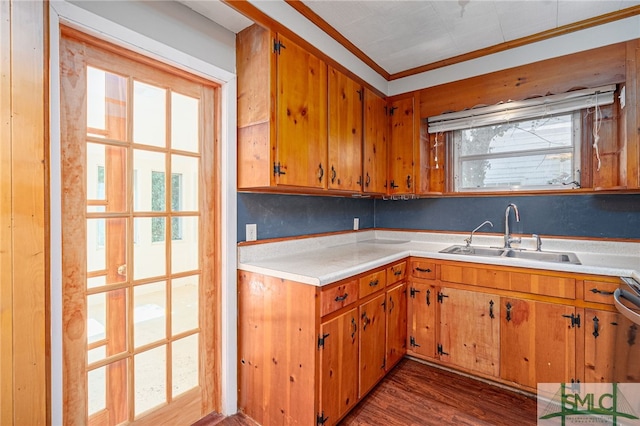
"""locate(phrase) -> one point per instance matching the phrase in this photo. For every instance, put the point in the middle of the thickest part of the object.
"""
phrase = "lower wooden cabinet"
(422, 318)
(537, 342)
(470, 330)
(396, 305)
(372, 343)
(338, 365)
(611, 348)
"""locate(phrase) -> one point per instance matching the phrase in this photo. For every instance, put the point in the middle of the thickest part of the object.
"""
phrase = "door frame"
(78, 18)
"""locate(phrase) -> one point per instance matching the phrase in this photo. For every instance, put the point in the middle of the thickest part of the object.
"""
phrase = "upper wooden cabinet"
(282, 113)
(375, 144)
(401, 149)
(345, 132)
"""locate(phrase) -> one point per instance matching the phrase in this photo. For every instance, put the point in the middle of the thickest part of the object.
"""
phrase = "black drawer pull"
(342, 298)
(606, 293)
(422, 270)
(373, 283)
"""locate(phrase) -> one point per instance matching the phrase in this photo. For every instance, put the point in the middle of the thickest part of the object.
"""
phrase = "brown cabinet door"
(372, 343)
(470, 330)
(401, 147)
(339, 366)
(422, 319)
(375, 146)
(345, 132)
(396, 324)
(537, 342)
(611, 348)
(301, 129)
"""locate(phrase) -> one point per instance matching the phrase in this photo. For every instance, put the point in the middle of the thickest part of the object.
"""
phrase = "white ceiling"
(399, 35)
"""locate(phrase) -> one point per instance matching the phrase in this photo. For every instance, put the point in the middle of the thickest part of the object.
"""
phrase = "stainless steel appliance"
(627, 299)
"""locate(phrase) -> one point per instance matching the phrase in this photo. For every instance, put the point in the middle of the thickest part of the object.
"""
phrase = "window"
(543, 153)
(526, 145)
(157, 205)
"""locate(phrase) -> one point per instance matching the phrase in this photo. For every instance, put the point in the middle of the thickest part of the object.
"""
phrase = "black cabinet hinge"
(441, 351)
(575, 320)
(277, 170)
(277, 45)
(392, 109)
(441, 297)
(413, 292)
(412, 342)
(321, 419)
(321, 340)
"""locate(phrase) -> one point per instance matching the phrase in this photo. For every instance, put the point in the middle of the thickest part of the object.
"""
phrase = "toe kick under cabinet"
(308, 354)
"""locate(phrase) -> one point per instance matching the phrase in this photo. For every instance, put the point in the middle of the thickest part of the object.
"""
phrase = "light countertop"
(327, 259)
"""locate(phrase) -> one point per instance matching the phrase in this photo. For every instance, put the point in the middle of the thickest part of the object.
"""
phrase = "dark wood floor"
(421, 395)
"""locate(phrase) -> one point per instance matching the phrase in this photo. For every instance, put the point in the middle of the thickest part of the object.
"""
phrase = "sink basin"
(542, 256)
(473, 251)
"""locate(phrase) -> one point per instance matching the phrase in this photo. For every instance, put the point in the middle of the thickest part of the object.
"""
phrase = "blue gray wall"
(600, 216)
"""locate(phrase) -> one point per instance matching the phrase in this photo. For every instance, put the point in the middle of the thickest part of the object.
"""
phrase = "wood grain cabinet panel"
(396, 305)
(375, 144)
(401, 147)
(338, 296)
(396, 272)
(373, 282)
(538, 342)
(339, 366)
(372, 343)
(282, 113)
(470, 330)
(345, 132)
(423, 318)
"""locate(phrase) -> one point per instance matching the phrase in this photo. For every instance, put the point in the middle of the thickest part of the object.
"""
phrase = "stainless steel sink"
(541, 256)
(544, 256)
(473, 251)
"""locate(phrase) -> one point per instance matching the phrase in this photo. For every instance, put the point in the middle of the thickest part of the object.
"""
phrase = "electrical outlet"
(252, 231)
(356, 223)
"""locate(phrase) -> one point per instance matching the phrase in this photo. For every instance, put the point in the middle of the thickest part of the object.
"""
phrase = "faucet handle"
(538, 242)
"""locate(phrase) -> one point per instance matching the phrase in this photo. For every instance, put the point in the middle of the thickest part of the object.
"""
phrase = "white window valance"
(522, 110)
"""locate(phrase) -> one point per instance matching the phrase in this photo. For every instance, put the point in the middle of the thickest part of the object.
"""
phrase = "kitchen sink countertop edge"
(327, 259)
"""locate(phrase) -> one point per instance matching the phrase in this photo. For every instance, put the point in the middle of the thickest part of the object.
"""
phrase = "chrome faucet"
(507, 236)
(468, 240)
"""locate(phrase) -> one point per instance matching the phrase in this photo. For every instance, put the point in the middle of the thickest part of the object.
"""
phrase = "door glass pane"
(106, 321)
(149, 313)
(149, 252)
(184, 304)
(150, 379)
(149, 188)
(184, 122)
(185, 183)
(97, 384)
(149, 114)
(184, 250)
(106, 173)
(106, 249)
(185, 364)
(106, 104)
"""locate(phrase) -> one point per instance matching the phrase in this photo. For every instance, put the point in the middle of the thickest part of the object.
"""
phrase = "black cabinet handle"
(333, 174)
(596, 327)
(368, 180)
(409, 181)
(365, 321)
(428, 297)
(355, 327)
(509, 311)
(342, 298)
(606, 293)
(417, 268)
(491, 315)
(373, 283)
(320, 172)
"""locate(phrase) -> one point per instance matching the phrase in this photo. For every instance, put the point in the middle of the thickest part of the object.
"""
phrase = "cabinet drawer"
(423, 269)
(373, 282)
(599, 292)
(336, 297)
(396, 272)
